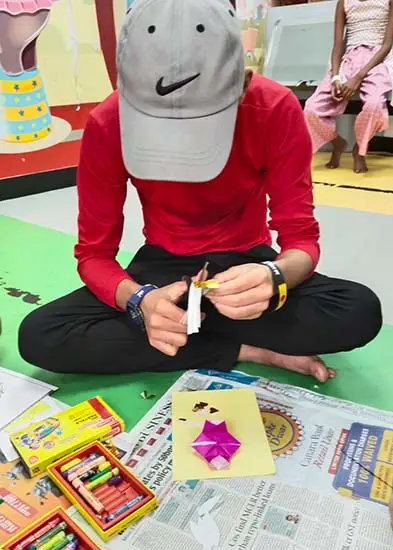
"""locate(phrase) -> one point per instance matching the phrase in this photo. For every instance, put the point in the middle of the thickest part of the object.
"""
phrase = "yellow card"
(240, 411)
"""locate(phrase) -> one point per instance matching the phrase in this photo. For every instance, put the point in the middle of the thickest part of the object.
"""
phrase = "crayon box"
(43, 528)
(104, 491)
(46, 441)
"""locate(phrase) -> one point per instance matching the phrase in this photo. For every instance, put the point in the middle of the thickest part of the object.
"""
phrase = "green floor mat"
(37, 265)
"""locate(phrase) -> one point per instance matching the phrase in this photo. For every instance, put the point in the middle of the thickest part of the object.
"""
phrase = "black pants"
(80, 334)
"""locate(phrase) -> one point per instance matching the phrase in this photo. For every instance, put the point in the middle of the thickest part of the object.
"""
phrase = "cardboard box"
(112, 498)
(44, 442)
(56, 516)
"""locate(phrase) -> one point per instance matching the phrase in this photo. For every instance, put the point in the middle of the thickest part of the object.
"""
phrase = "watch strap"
(133, 305)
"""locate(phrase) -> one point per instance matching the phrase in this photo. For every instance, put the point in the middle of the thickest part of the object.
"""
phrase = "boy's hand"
(244, 293)
(165, 328)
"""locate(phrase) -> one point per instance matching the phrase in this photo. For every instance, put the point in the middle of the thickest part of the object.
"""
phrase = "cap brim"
(184, 150)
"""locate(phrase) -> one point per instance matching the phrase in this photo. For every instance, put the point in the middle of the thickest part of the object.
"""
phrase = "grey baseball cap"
(180, 77)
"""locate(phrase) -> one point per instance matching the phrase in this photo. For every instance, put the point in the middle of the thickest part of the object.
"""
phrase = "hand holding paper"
(197, 288)
(244, 291)
(163, 318)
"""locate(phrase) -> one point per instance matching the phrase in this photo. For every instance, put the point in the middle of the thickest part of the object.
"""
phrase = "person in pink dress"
(362, 61)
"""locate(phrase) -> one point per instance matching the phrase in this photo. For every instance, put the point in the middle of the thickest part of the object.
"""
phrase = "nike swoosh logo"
(165, 90)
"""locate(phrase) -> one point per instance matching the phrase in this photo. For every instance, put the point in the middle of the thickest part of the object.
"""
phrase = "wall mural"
(57, 61)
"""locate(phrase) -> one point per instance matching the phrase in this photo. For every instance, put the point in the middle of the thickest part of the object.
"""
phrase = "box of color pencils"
(44, 442)
(54, 531)
(104, 491)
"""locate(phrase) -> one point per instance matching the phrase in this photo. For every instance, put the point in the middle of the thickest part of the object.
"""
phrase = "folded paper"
(239, 409)
(216, 445)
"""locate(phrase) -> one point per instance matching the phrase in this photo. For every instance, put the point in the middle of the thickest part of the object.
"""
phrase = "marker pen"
(101, 472)
(64, 543)
(100, 480)
(104, 466)
(40, 539)
(50, 544)
(88, 474)
(124, 508)
(45, 529)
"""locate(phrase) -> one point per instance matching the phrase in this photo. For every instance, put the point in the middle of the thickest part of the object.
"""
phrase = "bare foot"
(339, 146)
(311, 366)
(359, 162)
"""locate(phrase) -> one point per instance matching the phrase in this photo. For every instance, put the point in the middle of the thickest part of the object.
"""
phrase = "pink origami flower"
(215, 444)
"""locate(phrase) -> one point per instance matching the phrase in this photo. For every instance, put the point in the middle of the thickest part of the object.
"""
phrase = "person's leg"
(321, 112)
(374, 116)
(80, 334)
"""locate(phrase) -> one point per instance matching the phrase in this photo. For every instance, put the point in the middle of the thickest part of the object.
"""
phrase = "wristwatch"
(280, 285)
(133, 305)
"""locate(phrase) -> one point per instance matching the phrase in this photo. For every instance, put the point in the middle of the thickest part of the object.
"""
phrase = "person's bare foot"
(359, 162)
(311, 366)
(339, 146)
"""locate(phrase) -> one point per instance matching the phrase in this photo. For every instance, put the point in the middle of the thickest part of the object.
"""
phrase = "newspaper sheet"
(333, 482)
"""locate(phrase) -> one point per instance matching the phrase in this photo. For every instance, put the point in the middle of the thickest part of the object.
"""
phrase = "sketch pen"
(88, 474)
(44, 537)
(88, 497)
(70, 465)
(102, 472)
(102, 479)
(86, 468)
(36, 537)
(88, 460)
(124, 508)
(50, 544)
(64, 543)
(104, 466)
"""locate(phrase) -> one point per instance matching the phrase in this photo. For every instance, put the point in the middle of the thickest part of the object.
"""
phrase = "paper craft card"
(239, 409)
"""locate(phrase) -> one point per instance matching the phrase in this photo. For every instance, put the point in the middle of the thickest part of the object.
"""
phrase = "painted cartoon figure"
(33, 439)
(24, 109)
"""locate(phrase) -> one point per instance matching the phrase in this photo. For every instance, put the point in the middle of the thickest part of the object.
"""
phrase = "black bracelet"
(279, 284)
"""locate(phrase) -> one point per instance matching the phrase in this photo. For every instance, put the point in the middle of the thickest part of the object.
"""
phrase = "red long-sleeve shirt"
(269, 166)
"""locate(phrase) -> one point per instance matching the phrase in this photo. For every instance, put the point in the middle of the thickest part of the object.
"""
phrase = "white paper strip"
(194, 310)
